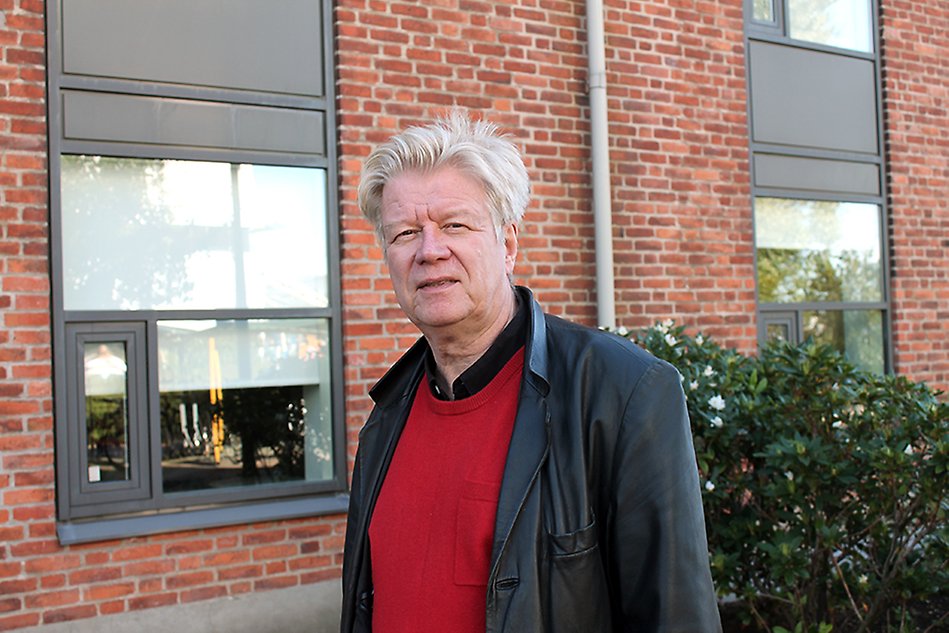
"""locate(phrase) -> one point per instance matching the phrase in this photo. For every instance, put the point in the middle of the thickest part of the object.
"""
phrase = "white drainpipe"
(600, 155)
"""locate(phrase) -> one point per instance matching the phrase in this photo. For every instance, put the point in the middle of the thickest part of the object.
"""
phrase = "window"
(839, 23)
(818, 176)
(824, 258)
(196, 304)
(845, 24)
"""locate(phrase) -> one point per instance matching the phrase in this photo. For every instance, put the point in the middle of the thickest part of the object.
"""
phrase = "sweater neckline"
(511, 370)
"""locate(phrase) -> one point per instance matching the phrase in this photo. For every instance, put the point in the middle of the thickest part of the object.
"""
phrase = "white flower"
(699, 339)
(789, 475)
(717, 422)
(863, 580)
(668, 323)
(716, 402)
(694, 385)
(670, 340)
(709, 371)
(908, 450)
(838, 424)
(622, 331)
(662, 327)
(709, 486)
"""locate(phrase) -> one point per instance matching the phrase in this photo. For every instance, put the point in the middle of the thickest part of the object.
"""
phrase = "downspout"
(600, 158)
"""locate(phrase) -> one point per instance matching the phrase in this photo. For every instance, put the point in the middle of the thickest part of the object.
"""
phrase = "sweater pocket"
(474, 532)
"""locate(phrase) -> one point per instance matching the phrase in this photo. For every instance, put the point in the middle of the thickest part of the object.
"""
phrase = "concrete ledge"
(304, 609)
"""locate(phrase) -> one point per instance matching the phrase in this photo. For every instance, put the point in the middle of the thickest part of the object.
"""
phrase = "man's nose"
(432, 245)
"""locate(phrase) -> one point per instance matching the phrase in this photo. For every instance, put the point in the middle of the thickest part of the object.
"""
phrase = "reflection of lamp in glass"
(217, 397)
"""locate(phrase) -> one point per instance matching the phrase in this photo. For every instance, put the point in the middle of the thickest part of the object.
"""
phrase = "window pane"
(778, 332)
(107, 415)
(840, 23)
(763, 10)
(168, 234)
(858, 334)
(244, 402)
(811, 250)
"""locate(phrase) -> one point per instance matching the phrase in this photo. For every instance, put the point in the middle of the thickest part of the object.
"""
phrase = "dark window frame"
(776, 33)
(140, 507)
(119, 494)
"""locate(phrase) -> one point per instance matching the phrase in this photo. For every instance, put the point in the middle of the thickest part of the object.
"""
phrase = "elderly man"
(518, 472)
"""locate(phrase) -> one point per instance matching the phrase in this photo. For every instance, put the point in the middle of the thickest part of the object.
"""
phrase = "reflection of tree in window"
(106, 412)
(789, 276)
(764, 10)
(841, 23)
(858, 334)
(265, 439)
(116, 242)
(812, 250)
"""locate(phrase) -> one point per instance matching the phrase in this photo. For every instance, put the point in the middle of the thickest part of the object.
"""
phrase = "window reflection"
(168, 234)
(244, 402)
(763, 10)
(840, 23)
(107, 416)
(812, 250)
(858, 334)
(778, 332)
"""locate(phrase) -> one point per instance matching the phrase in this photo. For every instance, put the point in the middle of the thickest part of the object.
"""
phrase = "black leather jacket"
(599, 523)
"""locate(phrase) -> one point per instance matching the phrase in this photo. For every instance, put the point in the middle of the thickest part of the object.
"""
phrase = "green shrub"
(825, 487)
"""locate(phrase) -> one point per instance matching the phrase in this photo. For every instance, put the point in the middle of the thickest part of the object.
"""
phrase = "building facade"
(192, 309)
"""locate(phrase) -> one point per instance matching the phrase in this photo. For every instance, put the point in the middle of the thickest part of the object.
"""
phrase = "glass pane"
(840, 23)
(244, 402)
(107, 416)
(778, 332)
(166, 234)
(858, 334)
(811, 250)
(763, 10)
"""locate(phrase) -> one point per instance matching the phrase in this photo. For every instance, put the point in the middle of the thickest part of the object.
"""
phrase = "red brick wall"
(678, 145)
(26, 438)
(916, 85)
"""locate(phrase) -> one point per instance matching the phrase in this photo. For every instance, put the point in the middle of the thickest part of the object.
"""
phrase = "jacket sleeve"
(658, 552)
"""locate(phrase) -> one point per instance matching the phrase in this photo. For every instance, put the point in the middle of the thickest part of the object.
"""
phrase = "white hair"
(477, 148)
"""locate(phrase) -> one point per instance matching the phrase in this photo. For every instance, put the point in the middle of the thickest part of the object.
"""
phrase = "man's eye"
(403, 235)
(455, 226)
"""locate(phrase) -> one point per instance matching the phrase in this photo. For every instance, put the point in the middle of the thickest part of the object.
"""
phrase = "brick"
(52, 599)
(67, 614)
(151, 601)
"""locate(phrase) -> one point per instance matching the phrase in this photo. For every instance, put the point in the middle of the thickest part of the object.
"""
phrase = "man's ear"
(510, 247)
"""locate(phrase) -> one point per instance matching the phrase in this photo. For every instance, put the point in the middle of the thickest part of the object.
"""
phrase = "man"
(518, 473)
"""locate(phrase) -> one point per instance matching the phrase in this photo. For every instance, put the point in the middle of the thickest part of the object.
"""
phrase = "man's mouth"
(435, 284)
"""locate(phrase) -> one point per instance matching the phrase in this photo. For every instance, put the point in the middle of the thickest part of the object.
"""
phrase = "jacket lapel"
(530, 438)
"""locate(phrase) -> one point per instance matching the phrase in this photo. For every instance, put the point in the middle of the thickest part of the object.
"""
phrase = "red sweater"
(433, 524)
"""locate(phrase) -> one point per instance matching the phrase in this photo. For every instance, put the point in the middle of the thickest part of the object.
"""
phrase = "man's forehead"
(445, 190)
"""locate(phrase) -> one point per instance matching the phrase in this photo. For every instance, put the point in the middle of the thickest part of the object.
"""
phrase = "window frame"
(777, 30)
(141, 507)
(120, 495)
(776, 33)
(779, 312)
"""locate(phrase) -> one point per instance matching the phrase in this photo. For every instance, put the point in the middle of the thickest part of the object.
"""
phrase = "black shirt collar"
(483, 371)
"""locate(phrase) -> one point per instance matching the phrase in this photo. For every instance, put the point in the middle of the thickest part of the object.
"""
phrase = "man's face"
(448, 268)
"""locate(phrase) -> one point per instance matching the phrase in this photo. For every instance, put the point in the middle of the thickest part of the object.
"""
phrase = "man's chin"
(439, 314)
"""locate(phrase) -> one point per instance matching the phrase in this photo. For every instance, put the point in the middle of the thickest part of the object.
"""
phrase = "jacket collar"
(402, 377)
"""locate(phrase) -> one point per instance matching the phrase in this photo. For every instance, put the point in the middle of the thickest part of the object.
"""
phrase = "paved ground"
(307, 609)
